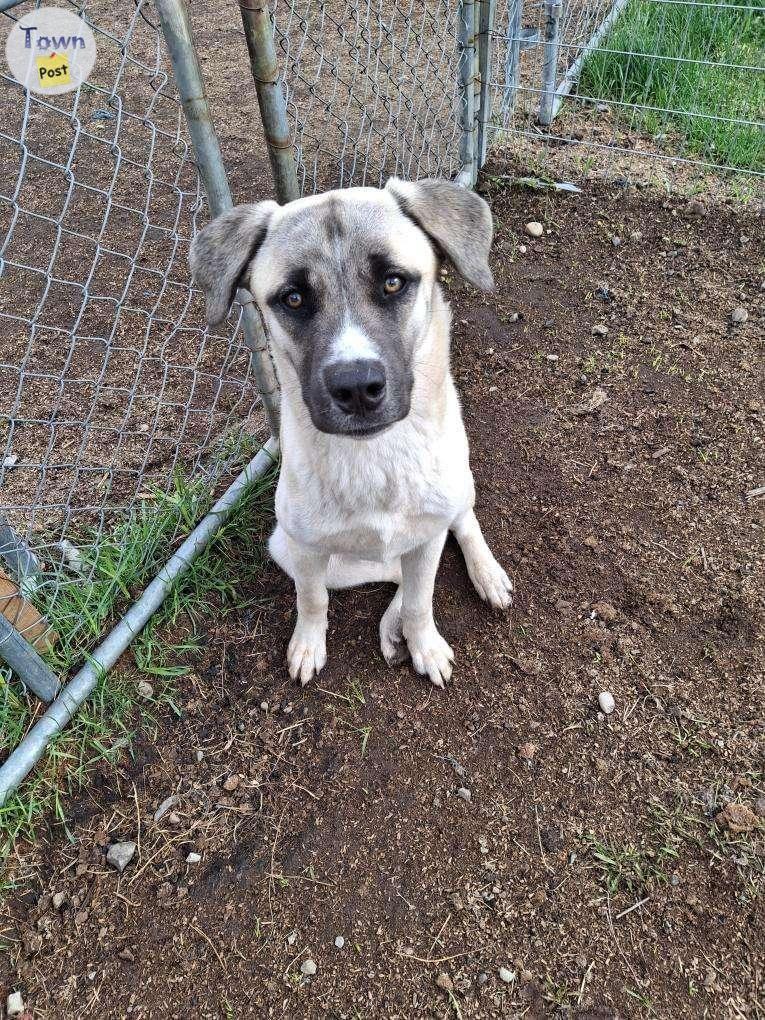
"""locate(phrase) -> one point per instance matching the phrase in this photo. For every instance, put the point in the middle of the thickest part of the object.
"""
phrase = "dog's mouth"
(360, 431)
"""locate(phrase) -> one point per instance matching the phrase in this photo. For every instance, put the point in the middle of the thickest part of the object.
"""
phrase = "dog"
(375, 461)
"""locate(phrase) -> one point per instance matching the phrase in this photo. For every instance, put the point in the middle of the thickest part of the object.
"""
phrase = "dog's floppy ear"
(222, 251)
(457, 220)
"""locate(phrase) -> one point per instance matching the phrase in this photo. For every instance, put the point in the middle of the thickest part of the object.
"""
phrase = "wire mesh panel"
(645, 83)
(119, 412)
(373, 89)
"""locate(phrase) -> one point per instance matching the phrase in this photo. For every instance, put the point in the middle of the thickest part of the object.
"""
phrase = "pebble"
(522, 249)
(199, 755)
(10, 462)
(606, 702)
(145, 690)
(464, 793)
(534, 228)
(506, 975)
(528, 750)
(193, 857)
(739, 315)
(599, 329)
(119, 855)
(616, 241)
(165, 806)
(339, 942)
(483, 977)
(231, 784)
(308, 967)
(59, 899)
(264, 706)
(15, 1004)
(444, 981)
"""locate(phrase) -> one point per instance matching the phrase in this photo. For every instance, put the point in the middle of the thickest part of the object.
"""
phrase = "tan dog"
(375, 466)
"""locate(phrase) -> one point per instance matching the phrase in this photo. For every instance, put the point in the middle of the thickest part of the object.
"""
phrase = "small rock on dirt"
(165, 806)
(15, 1004)
(193, 857)
(737, 818)
(58, 900)
(145, 690)
(606, 702)
(528, 750)
(534, 228)
(339, 942)
(464, 793)
(604, 611)
(119, 855)
(231, 784)
(597, 398)
(9, 463)
(308, 967)
(739, 315)
(599, 329)
(444, 981)
(506, 975)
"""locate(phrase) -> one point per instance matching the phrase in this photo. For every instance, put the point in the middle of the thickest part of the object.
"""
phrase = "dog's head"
(345, 282)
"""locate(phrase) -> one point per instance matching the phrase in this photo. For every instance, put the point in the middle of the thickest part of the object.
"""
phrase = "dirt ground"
(500, 849)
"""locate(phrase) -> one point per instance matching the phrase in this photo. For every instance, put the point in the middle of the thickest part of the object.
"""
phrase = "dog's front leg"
(307, 651)
(431, 655)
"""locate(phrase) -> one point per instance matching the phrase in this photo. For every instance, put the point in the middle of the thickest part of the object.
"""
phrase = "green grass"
(646, 34)
(120, 565)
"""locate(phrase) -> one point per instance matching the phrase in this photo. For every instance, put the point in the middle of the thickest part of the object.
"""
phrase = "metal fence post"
(466, 18)
(486, 30)
(33, 672)
(174, 18)
(15, 650)
(512, 57)
(553, 12)
(258, 31)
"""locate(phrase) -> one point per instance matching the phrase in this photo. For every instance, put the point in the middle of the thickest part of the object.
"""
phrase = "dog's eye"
(394, 284)
(293, 300)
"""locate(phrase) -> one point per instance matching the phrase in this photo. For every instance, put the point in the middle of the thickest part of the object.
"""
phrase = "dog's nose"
(356, 387)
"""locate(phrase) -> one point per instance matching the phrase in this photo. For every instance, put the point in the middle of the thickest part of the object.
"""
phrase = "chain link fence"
(634, 88)
(118, 406)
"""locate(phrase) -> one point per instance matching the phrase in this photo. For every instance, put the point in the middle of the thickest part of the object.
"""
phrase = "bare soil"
(601, 860)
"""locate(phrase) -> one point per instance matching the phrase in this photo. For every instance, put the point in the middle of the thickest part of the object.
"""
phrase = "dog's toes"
(492, 584)
(394, 652)
(432, 657)
(306, 655)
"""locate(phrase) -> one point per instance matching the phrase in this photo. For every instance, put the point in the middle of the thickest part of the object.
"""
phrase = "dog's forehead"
(342, 225)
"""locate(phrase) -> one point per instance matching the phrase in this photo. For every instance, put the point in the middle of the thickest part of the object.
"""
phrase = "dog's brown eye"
(393, 284)
(293, 299)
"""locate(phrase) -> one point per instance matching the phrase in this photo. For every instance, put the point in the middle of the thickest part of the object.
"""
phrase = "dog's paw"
(307, 652)
(490, 581)
(392, 643)
(431, 656)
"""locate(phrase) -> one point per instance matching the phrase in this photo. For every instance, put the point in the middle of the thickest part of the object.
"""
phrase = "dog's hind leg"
(392, 643)
(489, 579)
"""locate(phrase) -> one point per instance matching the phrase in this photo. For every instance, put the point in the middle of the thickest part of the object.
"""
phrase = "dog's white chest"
(376, 500)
